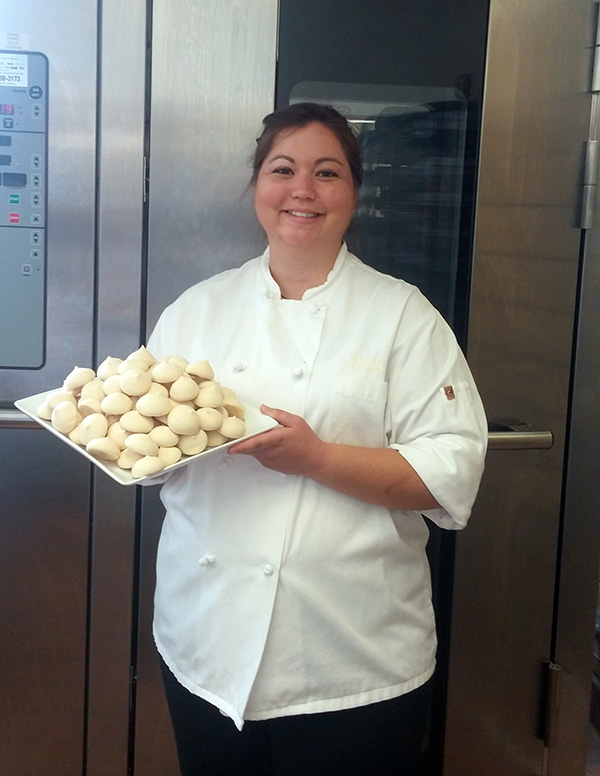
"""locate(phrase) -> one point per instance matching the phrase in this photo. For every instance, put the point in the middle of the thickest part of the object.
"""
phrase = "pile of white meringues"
(144, 414)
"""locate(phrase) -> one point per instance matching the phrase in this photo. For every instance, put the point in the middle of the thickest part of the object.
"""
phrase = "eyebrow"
(320, 160)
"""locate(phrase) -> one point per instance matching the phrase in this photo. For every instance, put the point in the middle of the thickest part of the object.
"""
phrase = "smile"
(303, 215)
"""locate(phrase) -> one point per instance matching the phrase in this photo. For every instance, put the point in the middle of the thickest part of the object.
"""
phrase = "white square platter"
(256, 423)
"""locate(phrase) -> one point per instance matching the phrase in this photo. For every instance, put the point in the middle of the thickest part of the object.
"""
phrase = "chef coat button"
(314, 309)
(225, 462)
(298, 374)
(210, 559)
(203, 561)
(268, 570)
(239, 367)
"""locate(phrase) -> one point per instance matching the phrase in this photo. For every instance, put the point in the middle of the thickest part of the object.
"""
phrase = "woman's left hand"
(377, 475)
(290, 448)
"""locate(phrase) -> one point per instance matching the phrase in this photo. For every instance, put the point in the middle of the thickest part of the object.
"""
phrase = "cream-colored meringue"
(44, 411)
(116, 404)
(165, 372)
(210, 418)
(141, 443)
(147, 466)
(143, 354)
(94, 426)
(185, 388)
(104, 449)
(209, 397)
(136, 423)
(78, 377)
(179, 360)
(233, 428)
(234, 407)
(135, 382)
(215, 438)
(86, 407)
(117, 433)
(201, 369)
(112, 384)
(108, 368)
(163, 436)
(169, 455)
(153, 405)
(55, 397)
(183, 420)
(128, 458)
(93, 390)
(192, 444)
(65, 417)
(132, 363)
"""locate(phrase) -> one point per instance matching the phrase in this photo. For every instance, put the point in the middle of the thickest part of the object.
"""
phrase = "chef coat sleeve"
(435, 417)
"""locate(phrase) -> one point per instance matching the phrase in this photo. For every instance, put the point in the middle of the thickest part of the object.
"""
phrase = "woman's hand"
(376, 475)
(291, 448)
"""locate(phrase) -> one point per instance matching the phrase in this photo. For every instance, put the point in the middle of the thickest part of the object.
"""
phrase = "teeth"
(302, 215)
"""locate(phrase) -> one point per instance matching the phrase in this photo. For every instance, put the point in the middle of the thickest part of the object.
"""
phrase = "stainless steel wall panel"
(43, 572)
(44, 487)
(120, 224)
(69, 42)
(520, 348)
(212, 82)
(577, 617)
(213, 79)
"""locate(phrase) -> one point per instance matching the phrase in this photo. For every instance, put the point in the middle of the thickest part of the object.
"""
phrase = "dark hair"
(301, 114)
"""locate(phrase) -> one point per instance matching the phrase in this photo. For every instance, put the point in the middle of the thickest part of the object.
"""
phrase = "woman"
(293, 591)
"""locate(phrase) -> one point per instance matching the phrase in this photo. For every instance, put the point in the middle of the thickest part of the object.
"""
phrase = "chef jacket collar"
(275, 291)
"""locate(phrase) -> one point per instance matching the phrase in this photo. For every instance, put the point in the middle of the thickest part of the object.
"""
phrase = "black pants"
(383, 739)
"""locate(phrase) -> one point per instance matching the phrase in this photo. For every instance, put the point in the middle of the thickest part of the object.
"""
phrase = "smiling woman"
(304, 199)
(311, 627)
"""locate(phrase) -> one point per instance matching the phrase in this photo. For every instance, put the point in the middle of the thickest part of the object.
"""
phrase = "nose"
(304, 186)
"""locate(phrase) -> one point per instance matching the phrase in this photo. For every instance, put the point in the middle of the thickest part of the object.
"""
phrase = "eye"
(283, 171)
(327, 174)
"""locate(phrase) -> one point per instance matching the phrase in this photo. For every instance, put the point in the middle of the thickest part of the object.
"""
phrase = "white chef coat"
(277, 595)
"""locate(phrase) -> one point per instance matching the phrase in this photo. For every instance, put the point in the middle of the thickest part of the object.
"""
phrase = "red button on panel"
(14, 218)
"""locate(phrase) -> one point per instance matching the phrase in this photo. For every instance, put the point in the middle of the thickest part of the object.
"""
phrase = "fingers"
(281, 416)
(254, 443)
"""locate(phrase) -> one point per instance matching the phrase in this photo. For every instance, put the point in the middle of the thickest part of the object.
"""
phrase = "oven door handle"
(13, 418)
(515, 435)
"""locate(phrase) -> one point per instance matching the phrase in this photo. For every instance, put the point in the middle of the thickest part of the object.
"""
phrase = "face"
(304, 195)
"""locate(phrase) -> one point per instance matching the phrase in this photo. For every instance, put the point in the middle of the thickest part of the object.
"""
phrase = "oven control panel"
(23, 193)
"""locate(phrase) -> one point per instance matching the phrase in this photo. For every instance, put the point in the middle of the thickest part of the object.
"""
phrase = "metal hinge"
(553, 676)
(590, 185)
(590, 172)
(595, 86)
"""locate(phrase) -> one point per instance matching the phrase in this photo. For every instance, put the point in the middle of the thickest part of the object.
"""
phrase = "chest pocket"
(357, 414)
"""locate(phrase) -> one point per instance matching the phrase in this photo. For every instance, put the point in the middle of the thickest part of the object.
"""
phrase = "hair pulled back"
(301, 114)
